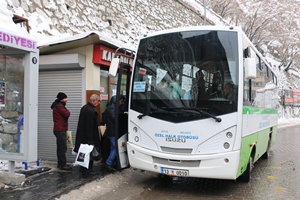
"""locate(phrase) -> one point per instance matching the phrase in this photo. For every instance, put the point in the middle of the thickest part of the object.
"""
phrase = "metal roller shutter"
(50, 83)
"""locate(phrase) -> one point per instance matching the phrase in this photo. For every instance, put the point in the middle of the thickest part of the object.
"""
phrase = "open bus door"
(121, 121)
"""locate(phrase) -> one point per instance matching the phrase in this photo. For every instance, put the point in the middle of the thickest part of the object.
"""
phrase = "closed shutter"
(50, 83)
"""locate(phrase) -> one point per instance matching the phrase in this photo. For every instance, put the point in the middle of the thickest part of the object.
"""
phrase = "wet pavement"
(276, 178)
(47, 183)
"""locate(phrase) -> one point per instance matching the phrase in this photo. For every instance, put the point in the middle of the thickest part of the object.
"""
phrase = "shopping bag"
(83, 155)
(69, 140)
(102, 129)
(96, 155)
(73, 152)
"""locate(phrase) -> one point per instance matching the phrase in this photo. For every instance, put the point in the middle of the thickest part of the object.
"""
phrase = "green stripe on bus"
(255, 110)
(260, 141)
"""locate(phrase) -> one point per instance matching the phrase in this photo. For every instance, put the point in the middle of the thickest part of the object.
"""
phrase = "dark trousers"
(105, 148)
(61, 148)
(86, 171)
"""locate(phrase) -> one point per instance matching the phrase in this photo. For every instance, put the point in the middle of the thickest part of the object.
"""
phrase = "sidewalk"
(48, 182)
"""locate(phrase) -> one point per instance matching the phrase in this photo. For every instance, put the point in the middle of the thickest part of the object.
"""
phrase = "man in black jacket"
(87, 131)
(110, 116)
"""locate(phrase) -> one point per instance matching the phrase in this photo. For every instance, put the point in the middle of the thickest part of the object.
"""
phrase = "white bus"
(201, 102)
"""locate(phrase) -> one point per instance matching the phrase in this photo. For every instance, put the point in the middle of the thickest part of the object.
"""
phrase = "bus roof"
(194, 28)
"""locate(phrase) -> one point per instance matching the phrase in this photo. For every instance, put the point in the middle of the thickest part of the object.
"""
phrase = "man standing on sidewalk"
(87, 131)
(60, 118)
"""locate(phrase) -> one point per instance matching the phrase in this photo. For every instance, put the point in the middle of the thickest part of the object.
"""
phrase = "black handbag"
(96, 154)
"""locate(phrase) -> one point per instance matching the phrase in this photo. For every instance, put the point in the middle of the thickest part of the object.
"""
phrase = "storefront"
(58, 73)
(19, 62)
(75, 67)
(102, 57)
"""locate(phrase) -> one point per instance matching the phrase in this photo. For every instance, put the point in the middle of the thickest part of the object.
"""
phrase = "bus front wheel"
(246, 176)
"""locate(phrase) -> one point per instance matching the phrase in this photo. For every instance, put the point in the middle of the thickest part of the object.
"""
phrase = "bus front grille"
(177, 163)
(176, 150)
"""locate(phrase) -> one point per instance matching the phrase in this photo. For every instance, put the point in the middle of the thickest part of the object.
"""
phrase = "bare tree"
(266, 25)
(288, 54)
(222, 8)
(258, 26)
(254, 24)
(227, 9)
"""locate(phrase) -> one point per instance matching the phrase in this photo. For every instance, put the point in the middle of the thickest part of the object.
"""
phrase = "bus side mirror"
(113, 68)
(250, 68)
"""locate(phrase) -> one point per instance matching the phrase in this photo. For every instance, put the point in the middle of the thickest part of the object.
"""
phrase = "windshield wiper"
(155, 112)
(200, 110)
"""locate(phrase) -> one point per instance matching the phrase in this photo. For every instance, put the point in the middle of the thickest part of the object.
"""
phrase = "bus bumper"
(215, 166)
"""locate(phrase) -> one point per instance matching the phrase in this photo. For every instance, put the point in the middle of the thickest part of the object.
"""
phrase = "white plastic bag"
(73, 152)
(83, 156)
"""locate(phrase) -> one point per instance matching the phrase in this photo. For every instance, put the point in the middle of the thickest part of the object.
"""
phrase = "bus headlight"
(136, 138)
(135, 129)
(229, 135)
(226, 145)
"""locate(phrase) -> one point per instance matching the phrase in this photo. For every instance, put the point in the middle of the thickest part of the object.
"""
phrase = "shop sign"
(103, 55)
(296, 98)
(288, 97)
(103, 97)
(8, 39)
(101, 89)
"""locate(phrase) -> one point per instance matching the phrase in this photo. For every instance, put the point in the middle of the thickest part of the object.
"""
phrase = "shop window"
(11, 101)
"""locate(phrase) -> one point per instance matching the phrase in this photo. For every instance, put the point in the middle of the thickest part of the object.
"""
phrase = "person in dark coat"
(60, 118)
(105, 143)
(87, 131)
(110, 116)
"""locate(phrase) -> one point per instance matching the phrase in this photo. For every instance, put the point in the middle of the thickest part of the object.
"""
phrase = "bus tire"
(266, 155)
(246, 176)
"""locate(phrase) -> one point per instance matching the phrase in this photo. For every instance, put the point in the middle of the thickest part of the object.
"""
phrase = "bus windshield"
(186, 76)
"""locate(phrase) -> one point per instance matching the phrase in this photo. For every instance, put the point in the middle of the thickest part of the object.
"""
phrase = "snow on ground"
(18, 165)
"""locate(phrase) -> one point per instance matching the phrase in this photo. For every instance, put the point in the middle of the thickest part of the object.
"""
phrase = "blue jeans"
(111, 160)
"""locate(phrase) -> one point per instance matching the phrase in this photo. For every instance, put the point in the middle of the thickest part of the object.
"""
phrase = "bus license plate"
(174, 172)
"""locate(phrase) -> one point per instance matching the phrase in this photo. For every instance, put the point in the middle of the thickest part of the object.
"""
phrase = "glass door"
(121, 129)
(11, 102)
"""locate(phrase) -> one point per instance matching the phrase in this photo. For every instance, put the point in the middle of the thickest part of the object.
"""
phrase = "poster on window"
(2, 94)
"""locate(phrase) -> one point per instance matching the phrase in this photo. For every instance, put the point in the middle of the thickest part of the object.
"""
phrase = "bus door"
(121, 128)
